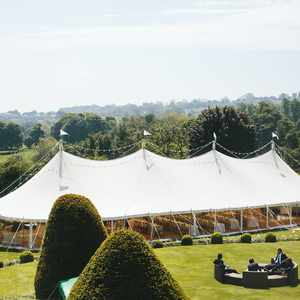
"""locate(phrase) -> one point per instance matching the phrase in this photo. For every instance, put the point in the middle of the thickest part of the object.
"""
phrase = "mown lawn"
(27, 154)
(8, 256)
(191, 266)
(17, 281)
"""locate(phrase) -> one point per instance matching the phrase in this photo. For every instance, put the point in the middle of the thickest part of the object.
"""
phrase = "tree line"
(175, 135)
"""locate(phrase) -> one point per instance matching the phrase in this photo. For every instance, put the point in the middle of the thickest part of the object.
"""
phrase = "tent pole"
(215, 155)
(61, 149)
(194, 224)
(241, 221)
(177, 225)
(30, 236)
(267, 216)
(291, 214)
(112, 226)
(273, 148)
(15, 234)
(152, 228)
(36, 234)
(215, 219)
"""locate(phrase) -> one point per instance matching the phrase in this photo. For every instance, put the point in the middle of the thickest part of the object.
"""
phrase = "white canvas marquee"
(146, 183)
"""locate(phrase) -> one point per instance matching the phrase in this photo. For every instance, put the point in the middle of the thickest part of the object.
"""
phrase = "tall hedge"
(125, 267)
(74, 232)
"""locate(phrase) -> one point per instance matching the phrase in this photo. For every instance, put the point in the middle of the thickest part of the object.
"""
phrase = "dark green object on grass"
(246, 238)
(126, 268)
(270, 238)
(26, 257)
(186, 240)
(217, 238)
(73, 234)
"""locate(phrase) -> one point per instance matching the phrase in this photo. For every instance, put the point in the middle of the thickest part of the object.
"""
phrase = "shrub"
(270, 238)
(246, 238)
(74, 232)
(217, 238)
(26, 257)
(186, 240)
(157, 244)
(125, 267)
(1, 264)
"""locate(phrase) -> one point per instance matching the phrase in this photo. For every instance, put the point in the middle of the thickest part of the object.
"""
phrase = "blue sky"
(64, 53)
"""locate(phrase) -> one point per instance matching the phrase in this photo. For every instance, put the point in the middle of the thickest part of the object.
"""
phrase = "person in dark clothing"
(253, 266)
(270, 266)
(280, 257)
(287, 265)
(219, 262)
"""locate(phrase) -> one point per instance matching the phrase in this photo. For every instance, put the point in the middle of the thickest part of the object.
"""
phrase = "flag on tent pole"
(275, 136)
(215, 136)
(62, 133)
(146, 133)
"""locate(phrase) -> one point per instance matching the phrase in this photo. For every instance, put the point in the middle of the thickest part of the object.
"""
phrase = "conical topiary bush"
(74, 232)
(125, 268)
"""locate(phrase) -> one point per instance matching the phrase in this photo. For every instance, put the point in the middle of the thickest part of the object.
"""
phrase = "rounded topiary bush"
(157, 244)
(216, 238)
(270, 238)
(246, 238)
(125, 267)
(26, 257)
(74, 232)
(186, 240)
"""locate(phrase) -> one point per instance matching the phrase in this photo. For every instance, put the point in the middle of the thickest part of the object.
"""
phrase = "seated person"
(287, 265)
(219, 262)
(253, 266)
(277, 263)
(280, 257)
(270, 266)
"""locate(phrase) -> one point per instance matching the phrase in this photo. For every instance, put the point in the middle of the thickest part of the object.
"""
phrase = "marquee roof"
(144, 182)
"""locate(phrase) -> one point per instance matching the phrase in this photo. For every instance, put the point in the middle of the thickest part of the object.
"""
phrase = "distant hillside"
(192, 107)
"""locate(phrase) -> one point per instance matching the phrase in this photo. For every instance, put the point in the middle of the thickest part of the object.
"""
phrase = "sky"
(65, 53)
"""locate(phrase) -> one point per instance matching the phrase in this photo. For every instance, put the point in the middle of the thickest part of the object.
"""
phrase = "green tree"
(10, 171)
(11, 136)
(233, 129)
(169, 135)
(44, 147)
(295, 110)
(35, 134)
(79, 126)
(266, 121)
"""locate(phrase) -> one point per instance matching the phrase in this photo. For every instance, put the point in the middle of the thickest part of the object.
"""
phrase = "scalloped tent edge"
(147, 184)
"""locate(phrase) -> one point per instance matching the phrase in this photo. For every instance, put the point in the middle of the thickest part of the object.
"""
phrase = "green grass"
(191, 266)
(17, 281)
(8, 256)
(27, 154)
